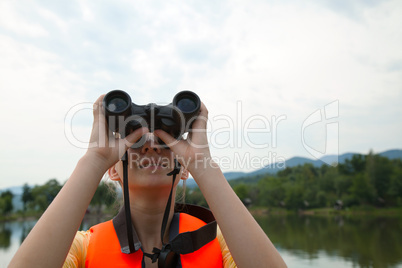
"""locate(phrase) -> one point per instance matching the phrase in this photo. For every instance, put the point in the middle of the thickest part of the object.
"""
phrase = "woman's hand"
(104, 148)
(250, 247)
(193, 153)
(56, 228)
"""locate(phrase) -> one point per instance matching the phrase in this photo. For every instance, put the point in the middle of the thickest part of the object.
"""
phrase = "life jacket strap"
(183, 243)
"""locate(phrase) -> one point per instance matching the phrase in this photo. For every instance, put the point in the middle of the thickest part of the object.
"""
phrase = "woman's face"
(149, 164)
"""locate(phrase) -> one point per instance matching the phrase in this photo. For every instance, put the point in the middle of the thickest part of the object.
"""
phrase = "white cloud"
(10, 20)
(279, 58)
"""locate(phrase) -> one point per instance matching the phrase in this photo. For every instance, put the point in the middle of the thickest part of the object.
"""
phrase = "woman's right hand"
(58, 225)
(104, 148)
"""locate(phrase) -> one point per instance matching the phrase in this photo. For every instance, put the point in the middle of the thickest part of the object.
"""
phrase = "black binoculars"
(124, 116)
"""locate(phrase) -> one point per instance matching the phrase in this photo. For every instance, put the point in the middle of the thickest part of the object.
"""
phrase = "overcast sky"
(279, 78)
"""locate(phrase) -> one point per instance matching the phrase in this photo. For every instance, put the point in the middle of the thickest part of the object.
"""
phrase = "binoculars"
(124, 116)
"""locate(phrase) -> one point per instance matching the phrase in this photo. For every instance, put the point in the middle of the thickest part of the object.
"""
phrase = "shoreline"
(35, 216)
(353, 211)
(256, 212)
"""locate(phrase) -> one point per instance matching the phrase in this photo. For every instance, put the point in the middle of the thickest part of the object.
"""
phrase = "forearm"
(49, 241)
(247, 242)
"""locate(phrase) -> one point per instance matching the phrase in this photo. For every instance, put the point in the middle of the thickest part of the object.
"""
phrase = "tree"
(379, 169)
(195, 197)
(395, 185)
(43, 195)
(294, 196)
(271, 191)
(6, 202)
(352, 166)
(26, 196)
(241, 190)
(362, 189)
(105, 194)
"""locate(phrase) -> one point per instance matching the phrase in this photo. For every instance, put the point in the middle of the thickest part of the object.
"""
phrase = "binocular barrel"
(124, 116)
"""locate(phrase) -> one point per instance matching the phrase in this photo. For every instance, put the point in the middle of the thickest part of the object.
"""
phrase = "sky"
(279, 78)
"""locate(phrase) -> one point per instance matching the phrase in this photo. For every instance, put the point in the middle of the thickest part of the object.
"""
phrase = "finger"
(99, 117)
(171, 142)
(202, 119)
(97, 106)
(135, 136)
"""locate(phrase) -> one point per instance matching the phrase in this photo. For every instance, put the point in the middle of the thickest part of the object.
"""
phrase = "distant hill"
(392, 154)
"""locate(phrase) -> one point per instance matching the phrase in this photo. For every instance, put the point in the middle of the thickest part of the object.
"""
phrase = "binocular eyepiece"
(124, 116)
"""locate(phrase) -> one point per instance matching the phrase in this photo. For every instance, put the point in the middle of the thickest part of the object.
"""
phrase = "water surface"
(336, 241)
(303, 241)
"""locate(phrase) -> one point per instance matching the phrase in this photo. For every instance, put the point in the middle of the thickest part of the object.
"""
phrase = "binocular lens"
(116, 105)
(186, 105)
(187, 102)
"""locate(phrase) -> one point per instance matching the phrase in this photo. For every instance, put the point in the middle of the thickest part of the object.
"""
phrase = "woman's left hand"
(193, 153)
(249, 247)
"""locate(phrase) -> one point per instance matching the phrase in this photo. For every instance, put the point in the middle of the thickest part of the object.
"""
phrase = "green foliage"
(242, 191)
(195, 197)
(363, 180)
(6, 202)
(39, 197)
(26, 196)
(105, 195)
(271, 192)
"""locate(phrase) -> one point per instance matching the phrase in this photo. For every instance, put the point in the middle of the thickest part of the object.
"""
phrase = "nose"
(151, 144)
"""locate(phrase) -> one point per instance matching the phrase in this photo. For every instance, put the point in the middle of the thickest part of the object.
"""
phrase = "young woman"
(49, 242)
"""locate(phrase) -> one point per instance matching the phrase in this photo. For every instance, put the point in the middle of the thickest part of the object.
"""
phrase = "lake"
(303, 241)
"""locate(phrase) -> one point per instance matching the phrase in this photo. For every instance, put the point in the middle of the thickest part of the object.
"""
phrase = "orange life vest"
(104, 248)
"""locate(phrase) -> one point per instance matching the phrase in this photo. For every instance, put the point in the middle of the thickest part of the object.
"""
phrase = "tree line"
(363, 180)
(35, 199)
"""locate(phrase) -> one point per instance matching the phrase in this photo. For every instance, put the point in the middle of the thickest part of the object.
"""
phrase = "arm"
(247, 242)
(48, 243)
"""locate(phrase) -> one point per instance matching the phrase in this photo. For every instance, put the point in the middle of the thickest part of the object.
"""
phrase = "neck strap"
(183, 243)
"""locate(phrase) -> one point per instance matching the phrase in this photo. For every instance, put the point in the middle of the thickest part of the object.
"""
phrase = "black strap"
(202, 213)
(183, 243)
(131, 248)
(119, 224)
(174, 173)
(157, 251)
(189, 242)
(153, 256)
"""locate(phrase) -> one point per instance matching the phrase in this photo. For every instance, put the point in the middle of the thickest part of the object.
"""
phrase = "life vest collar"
(119, 224)
(186, 243)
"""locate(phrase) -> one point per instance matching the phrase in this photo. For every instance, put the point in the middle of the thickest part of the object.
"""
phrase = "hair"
(113, 187)
(181, 194)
